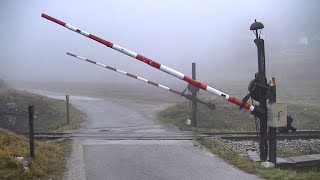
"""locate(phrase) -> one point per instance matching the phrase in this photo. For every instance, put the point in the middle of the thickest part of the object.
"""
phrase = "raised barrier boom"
(210, 105)
(154, 64)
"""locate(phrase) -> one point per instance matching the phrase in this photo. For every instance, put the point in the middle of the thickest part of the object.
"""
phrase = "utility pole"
(194, 98)
(263, 87)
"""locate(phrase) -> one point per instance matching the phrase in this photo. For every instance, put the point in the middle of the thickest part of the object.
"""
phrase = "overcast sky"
(214, 34)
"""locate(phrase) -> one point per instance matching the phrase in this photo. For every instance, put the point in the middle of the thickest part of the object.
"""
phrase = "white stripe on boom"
(217, 92)
(124, 50)
(171, 71)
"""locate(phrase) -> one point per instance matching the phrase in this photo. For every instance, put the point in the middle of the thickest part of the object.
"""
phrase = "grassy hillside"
(228, 117)
(306, 115)
(48, 162)
(50, 114)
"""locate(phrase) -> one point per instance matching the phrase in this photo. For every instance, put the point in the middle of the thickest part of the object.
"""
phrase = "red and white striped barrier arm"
(153, 64)
(127, 74)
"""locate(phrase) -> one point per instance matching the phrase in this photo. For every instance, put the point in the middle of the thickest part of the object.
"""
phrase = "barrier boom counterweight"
(210, 105)
(155, 65)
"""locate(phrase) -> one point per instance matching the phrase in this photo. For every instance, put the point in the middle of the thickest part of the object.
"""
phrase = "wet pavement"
(99, 158)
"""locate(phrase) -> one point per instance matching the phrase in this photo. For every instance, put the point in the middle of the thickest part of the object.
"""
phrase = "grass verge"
(228, 117)
(49, 161)
(251, 167)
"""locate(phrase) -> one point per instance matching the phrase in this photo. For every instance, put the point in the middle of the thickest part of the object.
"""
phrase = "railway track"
(237, 136)
(123, 136)
(279, 137)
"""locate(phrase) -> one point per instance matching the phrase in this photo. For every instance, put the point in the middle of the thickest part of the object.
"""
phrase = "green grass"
(49, 161)
(249, 166)
(228, 117)
(50, 158)
(306, 115)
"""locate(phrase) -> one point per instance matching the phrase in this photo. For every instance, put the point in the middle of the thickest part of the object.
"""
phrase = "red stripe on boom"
(102, 41)
(176, 92)
(153, 83)
(156, 64)
(140, 58)
(71, 54)
(53, 19)
(111, 68)
(195, 83)
(93, 62)
(239, 102)
(131, 75)
(148, 61)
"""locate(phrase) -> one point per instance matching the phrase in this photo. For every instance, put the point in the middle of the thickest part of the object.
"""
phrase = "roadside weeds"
(247, 165)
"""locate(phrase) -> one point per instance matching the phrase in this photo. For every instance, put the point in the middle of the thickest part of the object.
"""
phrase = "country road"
(96, 158)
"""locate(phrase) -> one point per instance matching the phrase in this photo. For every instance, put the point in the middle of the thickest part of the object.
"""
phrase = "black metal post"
(272, 130)
(68, 117)
(31, 130)
(194, 98)
(263, 99)
(272, 145)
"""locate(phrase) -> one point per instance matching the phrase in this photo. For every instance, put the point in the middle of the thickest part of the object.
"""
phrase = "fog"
(213, 34)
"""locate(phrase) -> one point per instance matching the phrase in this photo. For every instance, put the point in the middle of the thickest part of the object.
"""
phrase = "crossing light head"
(255, 27)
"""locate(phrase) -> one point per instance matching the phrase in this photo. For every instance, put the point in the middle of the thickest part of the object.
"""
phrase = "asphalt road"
(96, 159)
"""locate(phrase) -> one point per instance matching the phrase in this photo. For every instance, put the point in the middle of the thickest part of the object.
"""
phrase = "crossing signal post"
(270, 113)
(256, 27)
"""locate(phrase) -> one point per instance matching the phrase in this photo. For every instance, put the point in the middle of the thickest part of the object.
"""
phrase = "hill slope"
(50, 114)
(48, 162)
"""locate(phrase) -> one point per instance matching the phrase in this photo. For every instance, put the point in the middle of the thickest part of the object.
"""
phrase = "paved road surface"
(138, 159)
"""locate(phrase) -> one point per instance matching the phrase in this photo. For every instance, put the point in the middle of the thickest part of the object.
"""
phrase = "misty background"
(214, 34)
